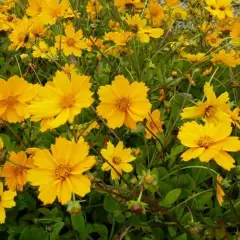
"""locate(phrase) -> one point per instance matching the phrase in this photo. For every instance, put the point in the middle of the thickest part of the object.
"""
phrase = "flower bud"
(74, 208)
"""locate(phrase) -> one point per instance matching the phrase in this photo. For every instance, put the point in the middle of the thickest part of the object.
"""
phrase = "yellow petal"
(2, 215)
(192, 153)
(224, 160)
(80, 184)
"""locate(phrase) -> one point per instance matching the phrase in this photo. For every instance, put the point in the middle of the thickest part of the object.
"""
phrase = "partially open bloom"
(117, 157)
(199, 57)
(209, 142)
(213, 39)
(44, 51)
(93, 9)
(72, 43)
(154, 124)
(6, 201)
(119, 38)
(235, 117)
(214, 109)
(144, 35)
(128, 4)
(135, 21)
(61, 100)
(15, 95)
(59, 173)
(16, 176)
(230, 59)
(219, 191)
(123, 103)
(235, 33)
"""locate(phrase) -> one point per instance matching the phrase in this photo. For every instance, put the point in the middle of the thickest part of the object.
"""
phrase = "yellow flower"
(136, 22)
(93, 9)
(117, 157)
(180, 13)
(219, 8)
(7, 22)
(172, 2)
(230, 59)
(34, 8)
(235, 117)
(154, 124)
(69, 68)
(61, 100)
(219, 191)
(123, 103)
(207, 72)
(44, 51)
(19, 35)
(71, 43)
(114, 25)
(59, 173)
(37, 30)
(6, 201)
(15, 94)
(235, 33)
(209, 142)
(144, 35)
(119, 38)
(7, 5)
(214, 109)
(15, 176)
(213, 39)
(199, 57)
(128, 4)
(155, 13)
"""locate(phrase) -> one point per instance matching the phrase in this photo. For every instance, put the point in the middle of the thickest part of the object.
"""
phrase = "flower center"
(70, 42)
(9, 18)
(205, 142)
(67, 101)
(22, 37)
(123, 104)
(222, 8)
(17, 171)
(117, 160)
(10, 101)
(210, 111)
(213, 40)
(62, 171)
(212, 7)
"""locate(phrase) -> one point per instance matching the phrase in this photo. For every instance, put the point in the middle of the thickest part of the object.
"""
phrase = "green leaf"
(171, 197)
(33, 233)
(54, 235)
(101, 230)
(6, 141)
(109, 204)
(182, 237)
(78, 222)
(26, 200)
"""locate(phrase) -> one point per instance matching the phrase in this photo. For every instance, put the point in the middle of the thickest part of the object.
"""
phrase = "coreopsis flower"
(16, 176)
(119, 38)
(53, 10)
(123, 5)
(199, 57)
(144, 35)
(59, 173)
(235, 117)
(37, 30)
(72, 42)
(6, 201)
(213, 110)
(114, 25)
(209, 142)
(213, 39)
(7, 5)
(123, 103)
(219, 191)
(235, 33)
(61, 100)
(44, 51)
(20, 34)
(172, 2)
(15, 95)
(154, 124)
(135, 21)
(219, 8)
(117, 159)
(93, 9)
(7, 22)
(69, 68)
(179, 13)
(230, 59)
(34, 8)
(155, 13)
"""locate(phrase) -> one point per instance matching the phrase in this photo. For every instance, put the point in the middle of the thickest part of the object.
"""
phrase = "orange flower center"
(70, 42)
(213, 40)
(210, 111)
(123, 104)
(116, 160)
(9, 18)
(21, 37)
(55, 13)
(205, 142)
(18, 171)
(10, 101)
(152, 125)
(212, 7)
(63, 171)
(222, 8)
(67, 101)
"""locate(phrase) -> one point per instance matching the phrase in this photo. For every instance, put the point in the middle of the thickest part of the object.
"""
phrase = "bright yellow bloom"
(117, 157)
(235, 117)
(69, 68)
(214, 109)
(219, 8)
(123, 103)
(155, 13)
(113, 24)
(230, 59)
(35, 7)
(199, 57)
(136, 22)
(209, 142)
(44, 51)
(72, 43)
(7, 22)
(7, 5)
(15, 176)
(119, 38)
(15, 94)
(144, 35)
(213, 39)
(154, 124)
(172, 2)
(93, 9)
(6, 201)
(128, 4)
(19, 36)
(219, 191)
(61, 100)
(37, 30)
(180, 13)
(235, 33)
(59, 173)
